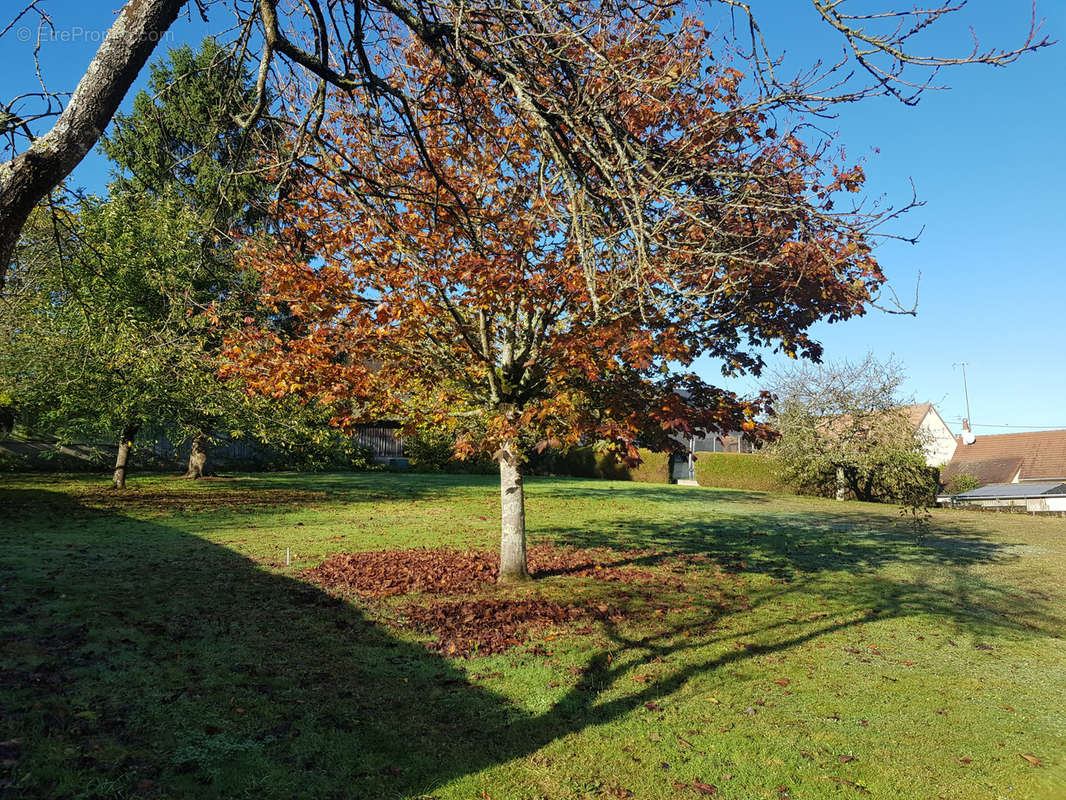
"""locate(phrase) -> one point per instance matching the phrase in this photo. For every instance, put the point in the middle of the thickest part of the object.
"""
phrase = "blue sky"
(987, 158)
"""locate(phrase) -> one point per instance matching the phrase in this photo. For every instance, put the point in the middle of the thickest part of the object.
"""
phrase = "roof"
(911, 415)
(997, 458)
(915, 414)
(1006, 491)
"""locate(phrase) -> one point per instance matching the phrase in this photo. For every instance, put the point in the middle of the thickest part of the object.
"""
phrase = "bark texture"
(31, 175)
(129, 431)
(513, 518)
(197, 457)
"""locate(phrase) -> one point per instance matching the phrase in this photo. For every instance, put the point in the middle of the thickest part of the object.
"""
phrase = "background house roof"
(1039, 456)
(1015, 491)
(916, 413)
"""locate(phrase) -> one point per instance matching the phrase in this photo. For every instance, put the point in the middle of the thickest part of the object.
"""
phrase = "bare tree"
(536, 54)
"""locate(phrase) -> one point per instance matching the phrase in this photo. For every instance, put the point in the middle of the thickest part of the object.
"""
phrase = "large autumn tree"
(485, 296)
(528, 51)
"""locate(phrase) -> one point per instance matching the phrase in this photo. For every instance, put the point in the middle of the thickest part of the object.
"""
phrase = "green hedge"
(585, 462)
(738, 471)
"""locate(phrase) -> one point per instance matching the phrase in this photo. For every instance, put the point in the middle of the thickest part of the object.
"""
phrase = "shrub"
(429, 451)
(963, 482)
(751, 471)
(434, 451)
(587, 462)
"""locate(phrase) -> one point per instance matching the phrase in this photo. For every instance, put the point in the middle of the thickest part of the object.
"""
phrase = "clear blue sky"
(987, 157)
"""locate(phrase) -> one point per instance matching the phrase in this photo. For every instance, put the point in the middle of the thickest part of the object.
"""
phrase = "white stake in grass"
(286, 556)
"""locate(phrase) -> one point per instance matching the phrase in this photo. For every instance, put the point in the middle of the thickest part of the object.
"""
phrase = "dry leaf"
(1036, 762)
(852, 784)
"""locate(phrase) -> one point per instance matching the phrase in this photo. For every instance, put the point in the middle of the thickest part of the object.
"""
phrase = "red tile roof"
(916, 413)
(997, 458)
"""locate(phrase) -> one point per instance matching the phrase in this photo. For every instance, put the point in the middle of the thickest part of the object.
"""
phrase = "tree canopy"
(469, 296)
(109, 332)
(845, 430)
(530, 52)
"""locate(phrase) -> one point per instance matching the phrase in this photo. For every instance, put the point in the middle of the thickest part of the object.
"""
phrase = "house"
(1009, 458)
(732, 442)
(938, 442)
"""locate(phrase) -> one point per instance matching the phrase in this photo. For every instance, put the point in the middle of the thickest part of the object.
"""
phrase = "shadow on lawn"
(138, 659)
(784, 544)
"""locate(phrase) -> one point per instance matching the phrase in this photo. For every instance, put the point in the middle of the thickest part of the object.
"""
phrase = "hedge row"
(750, 471)
(585, 462)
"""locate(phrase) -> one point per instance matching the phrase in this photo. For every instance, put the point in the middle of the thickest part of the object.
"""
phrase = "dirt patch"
(491, 625)
(192, 500)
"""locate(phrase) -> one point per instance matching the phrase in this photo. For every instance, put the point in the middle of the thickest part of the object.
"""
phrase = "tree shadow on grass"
(785, 543)
(143, 661)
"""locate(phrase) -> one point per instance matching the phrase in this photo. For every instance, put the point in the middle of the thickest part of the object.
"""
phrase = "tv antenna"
(966, 392)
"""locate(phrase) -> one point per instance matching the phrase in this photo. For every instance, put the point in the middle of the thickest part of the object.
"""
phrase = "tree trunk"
(32, 174)
(513, 518)
(197, 457)
(129, 430)
(842, 485)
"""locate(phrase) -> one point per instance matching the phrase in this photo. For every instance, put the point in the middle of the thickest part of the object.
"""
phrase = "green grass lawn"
(154, 643)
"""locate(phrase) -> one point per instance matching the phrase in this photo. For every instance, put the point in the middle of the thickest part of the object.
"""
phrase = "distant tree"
(963, 482)
(184, 139)
(843, 430)
(99, 338)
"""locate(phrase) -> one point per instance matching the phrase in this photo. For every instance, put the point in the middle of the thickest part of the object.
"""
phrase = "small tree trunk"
(842, 485)
(197, 457)
(129, 431)
(513, 518)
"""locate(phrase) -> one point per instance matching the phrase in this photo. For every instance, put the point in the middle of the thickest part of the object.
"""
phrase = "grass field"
(156, 644)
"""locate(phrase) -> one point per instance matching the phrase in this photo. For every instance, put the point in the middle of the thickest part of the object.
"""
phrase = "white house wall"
(938, 439)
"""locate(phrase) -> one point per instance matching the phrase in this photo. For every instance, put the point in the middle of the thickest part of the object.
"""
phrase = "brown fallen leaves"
(181, 500)
(490, 625)
(485, 624)
(387, 573)
(697, 786)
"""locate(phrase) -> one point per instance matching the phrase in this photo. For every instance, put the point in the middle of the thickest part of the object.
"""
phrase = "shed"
(1033, 497)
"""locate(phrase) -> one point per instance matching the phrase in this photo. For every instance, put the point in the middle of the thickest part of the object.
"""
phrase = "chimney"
(967, 435)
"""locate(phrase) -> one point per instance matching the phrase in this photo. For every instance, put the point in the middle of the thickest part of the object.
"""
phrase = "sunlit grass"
(156, 644)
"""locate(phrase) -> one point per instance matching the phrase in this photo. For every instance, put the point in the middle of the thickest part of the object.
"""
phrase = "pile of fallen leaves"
(492, 625)
(388, 573)
(486, 624)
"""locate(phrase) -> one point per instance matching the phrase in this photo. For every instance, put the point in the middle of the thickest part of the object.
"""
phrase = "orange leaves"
(475, 282)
